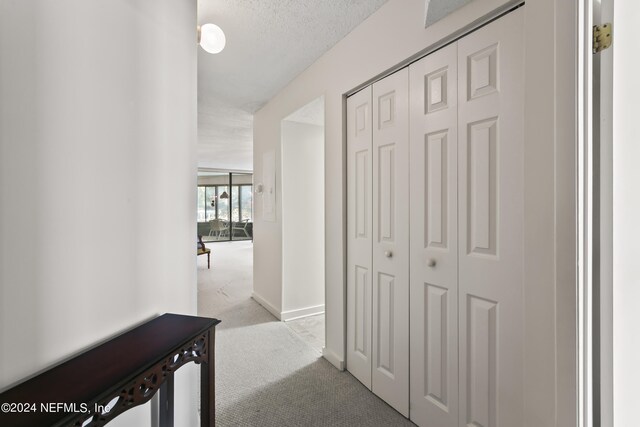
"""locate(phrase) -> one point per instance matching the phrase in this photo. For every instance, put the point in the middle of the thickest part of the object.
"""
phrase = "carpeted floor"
(267, 374)
(310, 329)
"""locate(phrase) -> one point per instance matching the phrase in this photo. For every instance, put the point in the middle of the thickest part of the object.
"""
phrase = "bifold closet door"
(378, 238)
(462, 328)
(434, 239)
(491, 209)
(359, 234)
(390, 373)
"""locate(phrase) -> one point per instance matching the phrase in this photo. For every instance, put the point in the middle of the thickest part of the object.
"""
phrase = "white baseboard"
(333, 358)
(302, 312)
(263, 302)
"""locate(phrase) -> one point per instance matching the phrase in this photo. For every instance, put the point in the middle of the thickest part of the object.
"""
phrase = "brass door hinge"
(601, 37)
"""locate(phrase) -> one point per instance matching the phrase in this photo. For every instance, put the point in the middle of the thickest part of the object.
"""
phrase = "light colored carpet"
(310, 329)
(266, 374)
(230, 279)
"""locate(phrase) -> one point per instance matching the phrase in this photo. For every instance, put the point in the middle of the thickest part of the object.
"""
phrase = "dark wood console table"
(122, 373)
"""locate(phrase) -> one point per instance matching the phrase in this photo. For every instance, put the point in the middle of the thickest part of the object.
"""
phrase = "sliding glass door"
(225, 206)
(241, 207)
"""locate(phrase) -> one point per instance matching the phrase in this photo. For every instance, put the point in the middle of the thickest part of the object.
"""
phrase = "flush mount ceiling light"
(211, 38)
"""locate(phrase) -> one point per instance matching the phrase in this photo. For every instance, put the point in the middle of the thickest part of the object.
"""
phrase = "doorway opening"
(303, 218)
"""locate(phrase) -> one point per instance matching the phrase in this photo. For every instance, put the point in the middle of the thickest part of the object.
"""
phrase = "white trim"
(263, 302)
(585, 216)
(290, 314)
(301, 312)
(603, 89)
(333, 358)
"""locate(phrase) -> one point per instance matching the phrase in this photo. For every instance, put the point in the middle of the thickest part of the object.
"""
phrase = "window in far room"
(225, 206)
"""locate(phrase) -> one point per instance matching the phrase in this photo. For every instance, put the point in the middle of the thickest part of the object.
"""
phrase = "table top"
(90, 375)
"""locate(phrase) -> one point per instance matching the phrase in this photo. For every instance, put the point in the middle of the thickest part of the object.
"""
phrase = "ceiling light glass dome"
(212, 38)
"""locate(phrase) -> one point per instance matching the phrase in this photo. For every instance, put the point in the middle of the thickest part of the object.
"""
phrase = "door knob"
(431, 262)
(388, 254)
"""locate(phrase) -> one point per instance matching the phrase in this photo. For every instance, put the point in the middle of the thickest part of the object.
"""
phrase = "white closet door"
(390, 374)
(359, 235)
(491, 200)
(434, 239)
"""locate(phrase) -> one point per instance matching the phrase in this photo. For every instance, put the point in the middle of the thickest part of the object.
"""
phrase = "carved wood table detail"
(124, 372)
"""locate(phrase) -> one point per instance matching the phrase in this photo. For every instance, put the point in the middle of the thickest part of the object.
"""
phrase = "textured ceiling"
(269, 42)
(311, 114)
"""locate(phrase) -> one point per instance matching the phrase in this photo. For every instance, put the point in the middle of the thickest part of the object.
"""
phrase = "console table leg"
(207, 384)
(166, 402)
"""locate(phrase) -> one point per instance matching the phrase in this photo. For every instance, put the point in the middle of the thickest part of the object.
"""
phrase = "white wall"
(302, 219)
(387, 39)
(626, 211)
(97, 150)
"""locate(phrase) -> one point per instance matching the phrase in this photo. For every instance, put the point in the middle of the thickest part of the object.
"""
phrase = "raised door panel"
(386, 203)
(490, 224)
(434, 240)
(359, 235)
(385, 316)
(481, 170)
(390, 373)
(481, 363)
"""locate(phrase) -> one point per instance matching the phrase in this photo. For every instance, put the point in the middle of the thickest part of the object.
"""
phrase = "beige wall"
(385, 41)
(97, 150)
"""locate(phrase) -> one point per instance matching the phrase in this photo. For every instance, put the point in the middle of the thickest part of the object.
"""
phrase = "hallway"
(270, 373)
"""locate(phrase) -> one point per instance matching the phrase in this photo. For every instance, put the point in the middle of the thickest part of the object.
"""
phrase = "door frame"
(595, 243)
(586, 219)
(615, 209)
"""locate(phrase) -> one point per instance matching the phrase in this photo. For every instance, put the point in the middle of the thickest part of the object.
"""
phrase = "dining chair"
(242, 226)
(218, 228)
